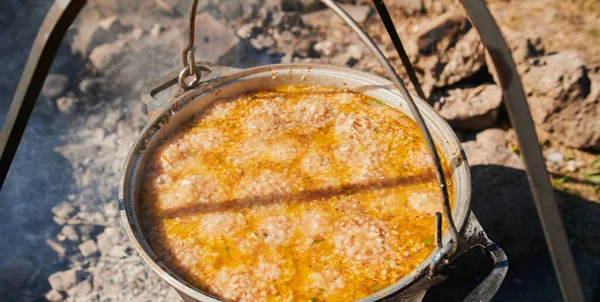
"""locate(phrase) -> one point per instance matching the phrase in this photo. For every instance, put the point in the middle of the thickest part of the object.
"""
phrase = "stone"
(136, 34)
(447, 50)
(471, 108)
(325, 47)
(65, 280)
(107, 239)
(572, 166)
(278, 19)
(326, 17)
(112, 24)
(555, 157)
(247, 31)
(90, 85)
(55, 85)
(92, 33)
(216, 42)
(155, 30)
(305, 49)
(106, 54)
(495, 135)
(524, 48)
(120, 251)
(81, 289)
(439, 34)
(466, 59)
(54, 296)
(62, 212)
(165, 5)
(561, 77)
(435, 7)
(564, 100)
(111, 120)
(88, 248)
(70, 233)
(349, 57)
(262, 42)
(66, 105)
(241, 10)
(502, 199)
(57, 247)
(411, 7)
(438, 7)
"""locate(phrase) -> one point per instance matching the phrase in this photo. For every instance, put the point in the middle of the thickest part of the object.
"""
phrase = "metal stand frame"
(63, 12)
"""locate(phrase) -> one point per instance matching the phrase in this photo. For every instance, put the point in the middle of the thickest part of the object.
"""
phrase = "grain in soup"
(295, 193)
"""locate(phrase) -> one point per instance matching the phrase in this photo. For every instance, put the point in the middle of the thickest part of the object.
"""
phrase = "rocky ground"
(60, 235)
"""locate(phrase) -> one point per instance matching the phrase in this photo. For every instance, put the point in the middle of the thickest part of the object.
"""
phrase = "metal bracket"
(215, 72)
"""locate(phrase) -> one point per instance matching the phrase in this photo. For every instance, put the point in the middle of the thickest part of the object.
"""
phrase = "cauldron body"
(223, 82)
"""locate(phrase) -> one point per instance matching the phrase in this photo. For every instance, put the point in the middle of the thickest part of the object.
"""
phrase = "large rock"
(448, 50)
(561, 78)
(93, 33)
(215, 42)
(471, 108)
(441, 33)
(465, 59)
(563, 101)
(501, 197)
(524, 48)
(494, 135)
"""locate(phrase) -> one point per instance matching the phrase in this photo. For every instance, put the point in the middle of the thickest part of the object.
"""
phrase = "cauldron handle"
(475, 236)
(490, 285)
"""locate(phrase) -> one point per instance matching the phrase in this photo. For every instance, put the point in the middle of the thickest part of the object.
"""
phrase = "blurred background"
(60, 235)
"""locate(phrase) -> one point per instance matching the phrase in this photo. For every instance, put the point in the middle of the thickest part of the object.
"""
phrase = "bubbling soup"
(294, 193)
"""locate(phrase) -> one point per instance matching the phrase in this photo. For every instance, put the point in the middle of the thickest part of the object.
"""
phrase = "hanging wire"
(439, 171)
(391, 30)
(187, 54)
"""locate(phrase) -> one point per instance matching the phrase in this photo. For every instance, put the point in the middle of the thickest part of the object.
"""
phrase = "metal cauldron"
(221, 82)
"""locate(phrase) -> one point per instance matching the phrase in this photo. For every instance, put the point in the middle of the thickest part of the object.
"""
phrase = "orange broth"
(295, 193)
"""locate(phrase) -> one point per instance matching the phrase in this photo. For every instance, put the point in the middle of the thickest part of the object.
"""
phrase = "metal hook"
(188, 59)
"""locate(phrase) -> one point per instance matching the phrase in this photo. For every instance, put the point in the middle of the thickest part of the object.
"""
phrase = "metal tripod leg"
(55, 25)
